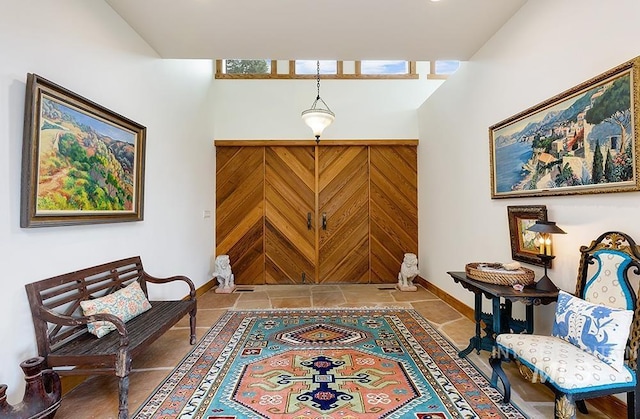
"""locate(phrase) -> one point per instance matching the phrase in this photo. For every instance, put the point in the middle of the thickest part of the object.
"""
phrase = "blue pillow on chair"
(597, 329)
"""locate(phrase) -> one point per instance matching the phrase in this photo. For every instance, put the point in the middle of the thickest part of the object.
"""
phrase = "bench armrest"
(154, 280)
(64, 320)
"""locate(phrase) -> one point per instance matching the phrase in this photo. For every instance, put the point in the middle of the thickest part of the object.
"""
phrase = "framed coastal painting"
(81, 163)
(584, 140)
(523, 241)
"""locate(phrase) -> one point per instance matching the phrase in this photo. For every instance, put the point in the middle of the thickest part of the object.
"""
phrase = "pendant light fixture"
(319, 116)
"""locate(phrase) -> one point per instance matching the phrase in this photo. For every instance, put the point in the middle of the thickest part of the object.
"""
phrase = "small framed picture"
(523, 241)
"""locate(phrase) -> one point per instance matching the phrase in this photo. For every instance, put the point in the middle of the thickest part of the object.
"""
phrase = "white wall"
(546, 48)
(365, 109)
(87, 48)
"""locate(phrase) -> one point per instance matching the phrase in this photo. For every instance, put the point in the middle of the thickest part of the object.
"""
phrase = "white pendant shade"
(318, 120)
(318, 116)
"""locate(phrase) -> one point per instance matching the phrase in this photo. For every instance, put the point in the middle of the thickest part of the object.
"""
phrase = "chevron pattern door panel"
(240, 211)
(394, 209)
(343, 202)
(290, 251)
(300, 213)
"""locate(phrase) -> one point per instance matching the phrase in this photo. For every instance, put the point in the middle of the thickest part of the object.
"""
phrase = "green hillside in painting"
(81, 169)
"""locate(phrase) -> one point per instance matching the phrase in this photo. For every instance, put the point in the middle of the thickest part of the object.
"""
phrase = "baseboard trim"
(609, 405)
(206, 287)
(464, 309)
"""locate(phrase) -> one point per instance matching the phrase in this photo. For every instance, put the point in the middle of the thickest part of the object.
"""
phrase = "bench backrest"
(62, 294)
(608, 274)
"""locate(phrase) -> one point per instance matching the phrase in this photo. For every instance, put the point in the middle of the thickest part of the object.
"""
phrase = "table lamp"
(545, 230)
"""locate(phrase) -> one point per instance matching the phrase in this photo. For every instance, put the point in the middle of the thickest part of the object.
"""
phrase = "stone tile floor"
(97, 397)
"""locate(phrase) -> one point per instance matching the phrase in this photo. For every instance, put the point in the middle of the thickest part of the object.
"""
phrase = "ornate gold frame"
(549, 126)
(81, 162)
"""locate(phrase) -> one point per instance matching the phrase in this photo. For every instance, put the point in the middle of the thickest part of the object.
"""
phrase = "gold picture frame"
(583, 140)
(81, 163)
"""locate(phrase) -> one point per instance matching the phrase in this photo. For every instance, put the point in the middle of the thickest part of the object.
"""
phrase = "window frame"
(221, 75)
(433, 74)
(357, 75)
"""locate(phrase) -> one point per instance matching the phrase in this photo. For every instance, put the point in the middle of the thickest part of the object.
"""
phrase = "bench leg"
(582, 407)
(565, 407)
(633, 405)
(192, 325)
(123, 368)
(123, 397)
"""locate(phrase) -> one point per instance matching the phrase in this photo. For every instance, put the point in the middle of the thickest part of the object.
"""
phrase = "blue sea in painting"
(509, 161)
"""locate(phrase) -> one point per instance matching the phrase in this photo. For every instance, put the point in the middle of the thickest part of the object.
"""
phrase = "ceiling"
(419, 30)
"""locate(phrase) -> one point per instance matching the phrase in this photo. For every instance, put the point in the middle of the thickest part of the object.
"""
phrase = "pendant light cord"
(318, 73)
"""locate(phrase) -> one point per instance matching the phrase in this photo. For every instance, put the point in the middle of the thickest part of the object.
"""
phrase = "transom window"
(442, 68)
(330, 69)
(311, 66)
(384, 67)
(247, 66)
(447, 66)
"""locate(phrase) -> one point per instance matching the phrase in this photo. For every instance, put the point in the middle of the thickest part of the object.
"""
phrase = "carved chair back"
(608, 274)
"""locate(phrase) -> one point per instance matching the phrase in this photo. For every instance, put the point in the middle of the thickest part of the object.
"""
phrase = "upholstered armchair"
(593, 348)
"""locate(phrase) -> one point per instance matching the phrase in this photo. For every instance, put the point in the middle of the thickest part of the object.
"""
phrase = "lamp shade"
(318, 116)
(548, 227)
(318, 119)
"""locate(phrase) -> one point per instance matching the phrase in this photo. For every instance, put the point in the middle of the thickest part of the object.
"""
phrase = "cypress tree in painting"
(597, 175)
(609, 176)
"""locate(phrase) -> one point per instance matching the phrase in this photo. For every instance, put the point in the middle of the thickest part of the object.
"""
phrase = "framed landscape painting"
(523, 241)
(584, 140)
(81, 163)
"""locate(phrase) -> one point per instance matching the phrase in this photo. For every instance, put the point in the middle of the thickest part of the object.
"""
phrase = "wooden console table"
(500, 321)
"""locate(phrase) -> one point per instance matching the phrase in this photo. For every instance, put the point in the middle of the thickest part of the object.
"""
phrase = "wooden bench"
(61, 327)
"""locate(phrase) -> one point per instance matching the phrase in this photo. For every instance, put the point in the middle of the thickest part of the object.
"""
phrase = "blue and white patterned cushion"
(568, 367)
(595, 328)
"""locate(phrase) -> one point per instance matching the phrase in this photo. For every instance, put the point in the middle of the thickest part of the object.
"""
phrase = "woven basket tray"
(492, 277)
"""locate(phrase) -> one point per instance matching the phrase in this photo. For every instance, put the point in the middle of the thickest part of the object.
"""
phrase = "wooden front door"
(240, 211)
(343, 214)
(290, 219)
(292, 213)
(393, 209)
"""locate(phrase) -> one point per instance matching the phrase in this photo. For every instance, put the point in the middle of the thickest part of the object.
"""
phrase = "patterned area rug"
(325, 364)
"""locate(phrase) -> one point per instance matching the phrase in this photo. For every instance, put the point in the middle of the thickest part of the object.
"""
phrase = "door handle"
(308, 221)
(324, 220)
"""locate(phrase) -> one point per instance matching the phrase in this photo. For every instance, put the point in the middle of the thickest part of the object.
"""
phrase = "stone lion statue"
(222, 271)
(408, 271)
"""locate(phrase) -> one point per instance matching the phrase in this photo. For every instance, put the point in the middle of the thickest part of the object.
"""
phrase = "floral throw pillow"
(597, 329)
(126, 303)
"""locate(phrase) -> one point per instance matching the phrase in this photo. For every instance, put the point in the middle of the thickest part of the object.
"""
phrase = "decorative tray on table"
(496, 273)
